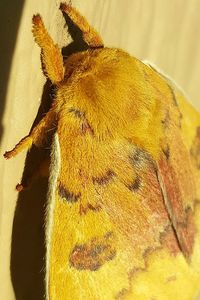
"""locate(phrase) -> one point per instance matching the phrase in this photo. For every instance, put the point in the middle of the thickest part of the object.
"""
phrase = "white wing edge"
(54, 172)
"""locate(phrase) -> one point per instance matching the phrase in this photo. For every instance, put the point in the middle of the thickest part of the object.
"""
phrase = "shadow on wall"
(28, 236)
(10, 15)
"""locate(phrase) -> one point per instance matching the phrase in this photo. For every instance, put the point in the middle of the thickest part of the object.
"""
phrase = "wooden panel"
(166, 33)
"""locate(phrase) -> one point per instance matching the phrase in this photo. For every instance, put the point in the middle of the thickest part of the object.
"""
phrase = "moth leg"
(52, 60)
(41, 171)
(90, 35)
(36, 136)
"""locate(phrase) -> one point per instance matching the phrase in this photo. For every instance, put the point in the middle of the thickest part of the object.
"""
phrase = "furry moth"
(123, 216)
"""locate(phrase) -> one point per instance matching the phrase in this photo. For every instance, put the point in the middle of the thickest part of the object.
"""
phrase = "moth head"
(107, 83)
(51, 56)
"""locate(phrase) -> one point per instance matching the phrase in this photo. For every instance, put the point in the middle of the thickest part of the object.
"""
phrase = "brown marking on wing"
(84, 209)
(135, 185)
(77, 113)
(104, 179)
(134, 272)
(121, 294)
(166, 121)
(181, 218)
(166, 151)
(64, 193)
(182, 229)
(195, 149)
(86, 128)
(168, 239)
(93, 254)
(139, 158)
(152, 197)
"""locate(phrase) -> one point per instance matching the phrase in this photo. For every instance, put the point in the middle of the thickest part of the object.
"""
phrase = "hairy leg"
(37, 135)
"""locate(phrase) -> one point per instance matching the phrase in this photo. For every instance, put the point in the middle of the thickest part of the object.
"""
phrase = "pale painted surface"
(164, 32)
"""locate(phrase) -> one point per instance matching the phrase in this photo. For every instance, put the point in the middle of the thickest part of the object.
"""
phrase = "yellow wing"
(124, 224)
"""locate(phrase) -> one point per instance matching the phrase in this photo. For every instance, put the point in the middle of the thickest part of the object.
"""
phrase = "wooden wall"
(166, 33)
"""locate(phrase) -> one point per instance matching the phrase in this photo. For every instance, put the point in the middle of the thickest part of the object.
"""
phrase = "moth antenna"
(90, 35)
(52, 60)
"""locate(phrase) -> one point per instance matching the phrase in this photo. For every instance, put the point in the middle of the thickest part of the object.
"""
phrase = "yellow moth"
(123, 215)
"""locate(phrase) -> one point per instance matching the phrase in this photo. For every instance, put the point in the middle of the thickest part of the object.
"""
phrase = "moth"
(123, 216)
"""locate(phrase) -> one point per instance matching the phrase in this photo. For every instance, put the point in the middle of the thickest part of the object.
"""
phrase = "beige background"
(166, 32)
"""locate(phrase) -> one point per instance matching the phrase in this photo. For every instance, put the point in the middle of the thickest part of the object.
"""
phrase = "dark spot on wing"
(109, 235)
(64, 193)
(121, 294)
(135, 185)
(166, 120)
(140, 157)
(104, 179)
(86, 127)
(93, 254)
(84, 209)
(76, 112)
(166, 152)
